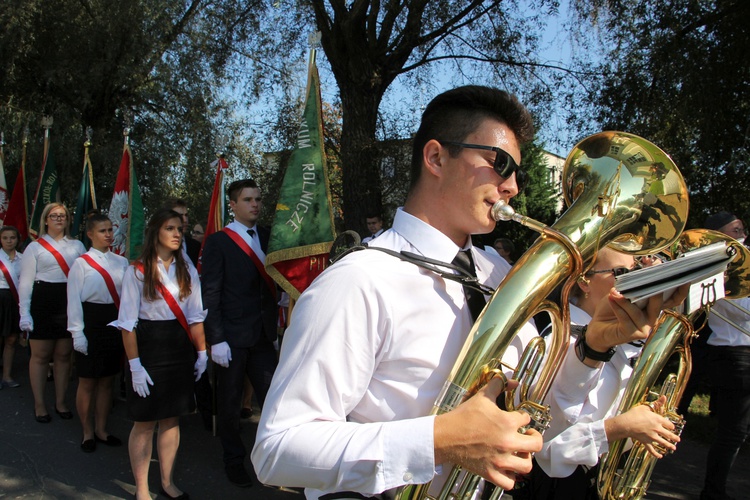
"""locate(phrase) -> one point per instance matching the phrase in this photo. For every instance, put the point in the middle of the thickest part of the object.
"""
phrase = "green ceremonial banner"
(86, 201)
(47, 191)
(126, 210)
(303, 230)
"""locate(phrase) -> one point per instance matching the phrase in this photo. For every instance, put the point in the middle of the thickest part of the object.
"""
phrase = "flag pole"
(87, 161)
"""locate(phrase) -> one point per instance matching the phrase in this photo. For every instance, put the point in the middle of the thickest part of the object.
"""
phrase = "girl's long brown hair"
(149, 257)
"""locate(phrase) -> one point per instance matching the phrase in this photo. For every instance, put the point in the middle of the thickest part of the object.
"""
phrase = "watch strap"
(583, 350)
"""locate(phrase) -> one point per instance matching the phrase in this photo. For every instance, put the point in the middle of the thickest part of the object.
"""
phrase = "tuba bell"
(652, 378)
(622, 191)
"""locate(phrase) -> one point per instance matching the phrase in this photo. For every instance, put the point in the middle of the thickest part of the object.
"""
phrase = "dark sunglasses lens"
(522, 179)
(619, 271)
(504, 164)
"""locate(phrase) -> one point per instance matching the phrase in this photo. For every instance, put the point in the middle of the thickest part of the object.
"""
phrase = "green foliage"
(678, 75)
(154, 65)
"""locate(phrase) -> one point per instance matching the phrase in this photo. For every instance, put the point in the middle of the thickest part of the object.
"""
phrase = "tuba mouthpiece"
(501, 211)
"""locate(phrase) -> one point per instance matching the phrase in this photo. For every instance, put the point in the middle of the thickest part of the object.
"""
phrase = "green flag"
(47, 191)
(303, 230)
(86, 200)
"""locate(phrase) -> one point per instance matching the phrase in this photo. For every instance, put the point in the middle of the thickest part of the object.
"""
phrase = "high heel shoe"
(184, 495)
(65, 415)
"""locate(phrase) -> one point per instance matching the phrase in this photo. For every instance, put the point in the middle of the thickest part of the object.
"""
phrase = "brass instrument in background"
(622, 191)
(672, 336)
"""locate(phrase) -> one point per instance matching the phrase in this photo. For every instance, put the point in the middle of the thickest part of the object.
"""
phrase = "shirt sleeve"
(26, 281)
(130, 301)
(194, 303)
(76, 278)
(573, 384)
(579, 444)
(330, 352)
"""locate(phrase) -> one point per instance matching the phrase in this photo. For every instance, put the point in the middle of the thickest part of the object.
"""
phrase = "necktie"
(474, 297)
(251, 232)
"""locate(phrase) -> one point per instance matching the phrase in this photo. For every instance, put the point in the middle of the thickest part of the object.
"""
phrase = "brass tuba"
(671, 337)
(623, 191)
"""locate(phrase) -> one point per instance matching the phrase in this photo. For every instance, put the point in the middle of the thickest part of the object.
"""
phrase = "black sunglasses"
(617, 271)
(504, 164)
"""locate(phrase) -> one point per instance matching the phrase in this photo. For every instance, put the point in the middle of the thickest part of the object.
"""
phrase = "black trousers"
(258, 363)
(730, 378)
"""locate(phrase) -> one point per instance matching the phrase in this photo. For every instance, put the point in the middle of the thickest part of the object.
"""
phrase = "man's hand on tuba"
(484, 439)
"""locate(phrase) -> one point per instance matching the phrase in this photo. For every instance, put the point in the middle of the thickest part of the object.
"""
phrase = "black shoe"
(65, 415)
(184, 495)
(43, 419)
(238, 476)
(110, 441)
(88, 446)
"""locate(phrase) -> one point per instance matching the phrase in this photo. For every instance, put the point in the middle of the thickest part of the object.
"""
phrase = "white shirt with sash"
(39, 264)
(86, 284)
(133, 306)
(13, 267)
(253, 241)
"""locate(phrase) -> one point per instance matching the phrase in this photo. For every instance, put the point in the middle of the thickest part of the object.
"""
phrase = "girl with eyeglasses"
(10, 265)
(584, 419)
(43, 307)
(161, 320)
(94, 288)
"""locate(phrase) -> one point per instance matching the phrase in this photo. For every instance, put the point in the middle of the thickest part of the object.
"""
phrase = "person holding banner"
(161, 299)
(242, 313)
(10, 265)
(43, 305)
(94, 287)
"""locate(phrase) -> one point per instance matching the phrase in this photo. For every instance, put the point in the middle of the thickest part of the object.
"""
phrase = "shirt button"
(408, 476)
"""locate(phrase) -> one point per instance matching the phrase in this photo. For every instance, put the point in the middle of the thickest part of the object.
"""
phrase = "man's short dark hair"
(175, 202)
(373, 216)
(234, 189)
(453, 115)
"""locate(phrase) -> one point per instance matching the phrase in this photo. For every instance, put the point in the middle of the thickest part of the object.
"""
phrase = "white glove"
(200, 364)
(80, 343)
(26, 324)
(221, 354)
(141, 379)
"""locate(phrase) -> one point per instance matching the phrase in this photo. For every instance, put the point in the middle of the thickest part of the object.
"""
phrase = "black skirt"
(105, 352)
(49, 310)
(168, 357)
(9, 316)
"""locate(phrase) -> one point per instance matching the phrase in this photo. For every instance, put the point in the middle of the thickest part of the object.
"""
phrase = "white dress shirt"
(86, 284)
(39, 264)
(133, 306)
(580, 399)
(14, 268)
(370, 345)
(725, 334)
(368, 239)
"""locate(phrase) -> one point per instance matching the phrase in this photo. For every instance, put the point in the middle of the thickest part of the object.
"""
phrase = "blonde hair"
(45, 213)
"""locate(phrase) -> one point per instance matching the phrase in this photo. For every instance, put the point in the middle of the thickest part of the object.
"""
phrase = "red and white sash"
(174, 306)
(9, 278)
(250, 253)
(106, 276)
(57, 255)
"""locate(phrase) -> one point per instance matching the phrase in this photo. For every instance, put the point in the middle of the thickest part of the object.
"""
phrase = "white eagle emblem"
(119, 211)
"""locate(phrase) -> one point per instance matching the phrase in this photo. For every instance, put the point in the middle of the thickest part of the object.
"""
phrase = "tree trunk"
(360, 157)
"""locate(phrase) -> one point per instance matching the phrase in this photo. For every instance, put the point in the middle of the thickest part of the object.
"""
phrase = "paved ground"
(44, 461)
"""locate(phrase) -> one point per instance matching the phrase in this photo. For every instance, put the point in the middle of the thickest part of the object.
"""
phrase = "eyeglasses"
(504, 164)
(617, 271)
(57, 216)
(739, 231)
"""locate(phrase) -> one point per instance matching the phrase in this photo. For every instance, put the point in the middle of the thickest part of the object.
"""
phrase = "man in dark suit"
(191, 247)
(241, 321)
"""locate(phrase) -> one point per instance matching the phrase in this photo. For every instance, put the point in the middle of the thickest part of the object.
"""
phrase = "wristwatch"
(583, 350)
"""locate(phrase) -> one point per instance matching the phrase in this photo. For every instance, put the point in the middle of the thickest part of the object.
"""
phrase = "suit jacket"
(193, 249)
(240, 306)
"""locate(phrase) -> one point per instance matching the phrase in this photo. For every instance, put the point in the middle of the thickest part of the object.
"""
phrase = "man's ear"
(433, 154)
